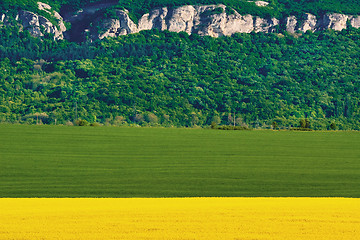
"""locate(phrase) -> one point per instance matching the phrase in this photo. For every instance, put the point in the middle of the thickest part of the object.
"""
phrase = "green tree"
(274, 125)
(81, 122)
(302, 123)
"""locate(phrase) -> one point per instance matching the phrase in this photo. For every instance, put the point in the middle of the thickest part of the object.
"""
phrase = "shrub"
(81, 122)
(139, 118)
(301, 129)
(230, 127)
(274, 125)
(304, 123)
(151, 118)
(69, 123)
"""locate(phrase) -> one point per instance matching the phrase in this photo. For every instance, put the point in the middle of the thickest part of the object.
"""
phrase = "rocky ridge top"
(335, 21)
(203, 20)
(36, 24)
(206, 20)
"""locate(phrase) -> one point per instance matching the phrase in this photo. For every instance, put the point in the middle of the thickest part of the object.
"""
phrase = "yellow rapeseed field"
(181, 218)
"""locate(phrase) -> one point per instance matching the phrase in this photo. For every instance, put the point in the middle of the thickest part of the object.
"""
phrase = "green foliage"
(229, 10)
(276, 8)
(274, 125)
(298, 7)
(140, 7)
(208, 13)
(81, 122)
(18, 4)
(230, 127)
(301, 129)
(213, 125)
(61, 161)
(304, 124)
(171, 79)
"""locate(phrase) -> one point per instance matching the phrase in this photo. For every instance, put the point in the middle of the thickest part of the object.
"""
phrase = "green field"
(50, 161)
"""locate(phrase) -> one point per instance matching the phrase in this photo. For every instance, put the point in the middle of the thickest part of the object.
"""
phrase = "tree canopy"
(174, 79)
(276, 8)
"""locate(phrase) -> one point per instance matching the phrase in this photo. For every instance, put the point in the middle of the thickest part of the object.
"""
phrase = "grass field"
(60, 161)
(181, 218)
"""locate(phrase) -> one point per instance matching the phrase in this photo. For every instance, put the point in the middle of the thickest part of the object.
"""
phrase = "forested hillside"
(173, 79)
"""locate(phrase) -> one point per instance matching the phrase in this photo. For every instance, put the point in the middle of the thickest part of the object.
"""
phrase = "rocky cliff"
(207, 20)
(215, 21)
(36, 24)
(333, 21)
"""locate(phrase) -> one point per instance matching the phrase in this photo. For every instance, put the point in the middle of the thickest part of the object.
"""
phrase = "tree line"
(173, 79)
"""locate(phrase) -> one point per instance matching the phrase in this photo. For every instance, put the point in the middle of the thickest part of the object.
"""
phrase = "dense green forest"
(173, 79)
(276, 8)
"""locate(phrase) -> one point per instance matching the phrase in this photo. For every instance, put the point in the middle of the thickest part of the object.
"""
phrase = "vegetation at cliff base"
(173, 79)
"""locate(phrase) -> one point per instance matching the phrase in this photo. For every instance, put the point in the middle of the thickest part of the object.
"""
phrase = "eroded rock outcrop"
(261, 3)
(291, 23)
(335, 21)
(209, 20)
(265, 25)
(206, 20)
(310, 23)
(36, 24)
(214, 20)
(58, 17)
(355, 21)
(123, 25)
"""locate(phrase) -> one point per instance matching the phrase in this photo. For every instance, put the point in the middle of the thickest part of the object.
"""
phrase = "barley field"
(61, 161)
(181, 218)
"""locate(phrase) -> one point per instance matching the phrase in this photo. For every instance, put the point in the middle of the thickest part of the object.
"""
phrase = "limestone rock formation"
(204, 20)
(208, 20)
(36, 24)
(116, 27)
(291, 23)
(260, 3)
(47, 8)
(333, 21)
(310, 23)
(182, 19)
(265, 25)
(355, 21)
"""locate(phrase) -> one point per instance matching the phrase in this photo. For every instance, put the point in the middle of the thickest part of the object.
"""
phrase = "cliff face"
(36, 24)
(333, 21)
(207, 20)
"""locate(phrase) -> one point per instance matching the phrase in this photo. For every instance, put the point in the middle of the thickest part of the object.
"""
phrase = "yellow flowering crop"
(181, 218)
